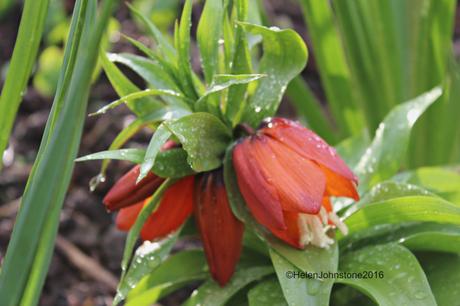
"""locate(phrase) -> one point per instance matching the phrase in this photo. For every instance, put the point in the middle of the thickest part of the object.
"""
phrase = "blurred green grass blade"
(49, 180)
(164, 45)
(21, 64)
(398, 266)
(309, 109)
(333, 67)
(208, 34)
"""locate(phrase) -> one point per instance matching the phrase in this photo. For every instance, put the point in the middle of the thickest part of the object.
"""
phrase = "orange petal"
(175, 207)
(221, 232)
(292, 234)
(299, 182)
(126, 192)
(308, 144)
(260, 196)
(338, 185)
(128, 215)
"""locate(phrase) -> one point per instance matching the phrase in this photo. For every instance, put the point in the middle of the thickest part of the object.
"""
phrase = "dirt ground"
(86, 262)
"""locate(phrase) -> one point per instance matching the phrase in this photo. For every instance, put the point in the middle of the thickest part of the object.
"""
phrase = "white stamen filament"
(313, 228)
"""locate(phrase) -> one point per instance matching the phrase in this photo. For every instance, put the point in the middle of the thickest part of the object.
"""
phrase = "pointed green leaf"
(401, 283)
(314, 260)
(183, 46)
(161, 135)
(406, 209)
(146, 259)
(178, 270)
(417, 236)
(443, 273)
(211, 294)
(385, 155)
(443, 182)
(267, 292)
(208, 35)
(123, 86)
(285, 56)
(204, 137)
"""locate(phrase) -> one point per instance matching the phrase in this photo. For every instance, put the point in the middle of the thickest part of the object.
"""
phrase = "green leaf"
(204, 137)
(285, 56)
(403, 281)
(219, 83)
(171, 163)
(152, 72)
(267, 292)
(211, 294)
(135, 230)
(29, 251)
(146, 259)
(386, 190)
(183, 45)
(332, 63)
(208, 35)
(123, 86)
(417, 236)
(21, 64)
(165, 47)
(176, 271)
(224, 81)
(443, 273)
(443, 182)
(314, 260)
(406, 209)
(384, 156)
(138, 95)
(161, 135)
(240, 64)
(133, 155)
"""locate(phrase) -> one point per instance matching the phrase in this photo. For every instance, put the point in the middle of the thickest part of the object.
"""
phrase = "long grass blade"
(24, 54)
(29, 251)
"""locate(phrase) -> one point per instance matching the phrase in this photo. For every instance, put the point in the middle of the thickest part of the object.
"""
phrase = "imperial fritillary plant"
(267, 195)
(276, 215)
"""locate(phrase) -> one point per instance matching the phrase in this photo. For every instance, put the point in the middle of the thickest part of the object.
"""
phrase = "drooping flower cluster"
(286, 175)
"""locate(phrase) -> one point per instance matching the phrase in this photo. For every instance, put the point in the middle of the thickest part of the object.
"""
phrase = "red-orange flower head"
(127, 192)
(221, 232)
(286, 174)
(205, 195)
